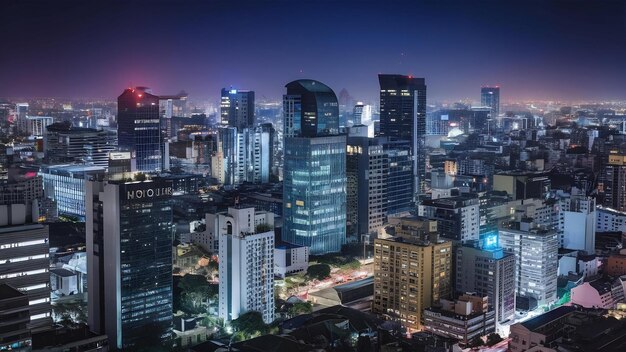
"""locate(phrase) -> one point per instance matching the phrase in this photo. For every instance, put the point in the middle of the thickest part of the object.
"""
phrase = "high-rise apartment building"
(403, 116)
(139, 128)
(243, 156)
(246, 252)
(577, 223)
(357, 114)
(21, 118)
(411, 271)
(314, 185)
(613, 182)
(488, 272)
(490, 96)
(129, 261)
(458, 217)
(237, 108)
(536, 258)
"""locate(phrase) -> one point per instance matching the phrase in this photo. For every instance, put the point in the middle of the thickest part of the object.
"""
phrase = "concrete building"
(610, 220)
(237, 108)
(594, 294)
(14, 320)
(36, 125)
(65, 144)
(290, 259)
(577, 223)
(522, 185)
(458, 217)
(542, 330)
(411, 271)
(487, 272)
(24, 258)
(612, 182)
(464, 319)
(536, 256)
(246, 266)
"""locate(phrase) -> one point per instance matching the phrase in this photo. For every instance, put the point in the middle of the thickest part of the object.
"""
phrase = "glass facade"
(315, 193)
(490, 96)
(65, 184)
(139, 128)
(145, 262)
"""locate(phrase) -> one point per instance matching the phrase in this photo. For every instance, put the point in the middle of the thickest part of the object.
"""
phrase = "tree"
(493, 339)
(250, 323)
(318, 271)
(300, 308)
(261, 228)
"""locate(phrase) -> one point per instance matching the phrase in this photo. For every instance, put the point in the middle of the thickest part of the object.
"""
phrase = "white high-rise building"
(246, 257)
(242, 156)
(536, 256)
(577, 223)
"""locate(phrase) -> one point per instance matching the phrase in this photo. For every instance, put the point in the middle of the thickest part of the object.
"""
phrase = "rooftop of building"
(547, 318)
(451, 314)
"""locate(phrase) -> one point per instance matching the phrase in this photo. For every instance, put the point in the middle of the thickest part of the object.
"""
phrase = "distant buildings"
(411, 271)
(490, 96)
(237, 108)
(129, 247)
(65, 144)
(65, 185)
(139, 128)
(246, 268)
(314, 184)
(403, 116)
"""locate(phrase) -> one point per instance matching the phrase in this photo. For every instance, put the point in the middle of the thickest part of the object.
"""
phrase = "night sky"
(533, 49)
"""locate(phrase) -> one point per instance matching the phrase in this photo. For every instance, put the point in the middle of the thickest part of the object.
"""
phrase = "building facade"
(403, 116)
(314, 176)
(458, 218)
(246, 267)
(129, 261)
(490, 96)
(65, 143)
(237, 108)
(139, 128)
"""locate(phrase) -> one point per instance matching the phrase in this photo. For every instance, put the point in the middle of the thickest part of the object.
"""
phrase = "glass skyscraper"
(403, 116)
(314, 207)
(490, 96)
(139, 128)
(129, 248)
(237, 108)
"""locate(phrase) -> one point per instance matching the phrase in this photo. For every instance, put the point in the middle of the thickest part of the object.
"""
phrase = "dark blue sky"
(534, 49)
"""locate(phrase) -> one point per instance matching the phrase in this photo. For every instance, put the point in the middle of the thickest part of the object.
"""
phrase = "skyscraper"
(237, 108)
(358, 112)
(490, 96)
(314, 186)
(129, 261)
(613, 182)
(139, 128)
(403, 116)
(65, 143)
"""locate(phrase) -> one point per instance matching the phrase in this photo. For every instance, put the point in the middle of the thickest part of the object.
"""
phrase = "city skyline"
(549, 50)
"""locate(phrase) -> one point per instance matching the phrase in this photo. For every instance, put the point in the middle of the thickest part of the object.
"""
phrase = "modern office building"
(36, 125)
(237, 108)
(464, 319)
(522, 185)
(613, 182)
(536, 257)
(458, 217)
(65, 185)
(403, 116)
(411, 271)
(366, 194)
(243, 156)
(129, 261)
(357, 114)
(314, 176)
(490, 96)
(65, 143)
(139, 128)
(488, 272)
(399, 172)
(21, 118)
(246, 268)
(14, 320)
